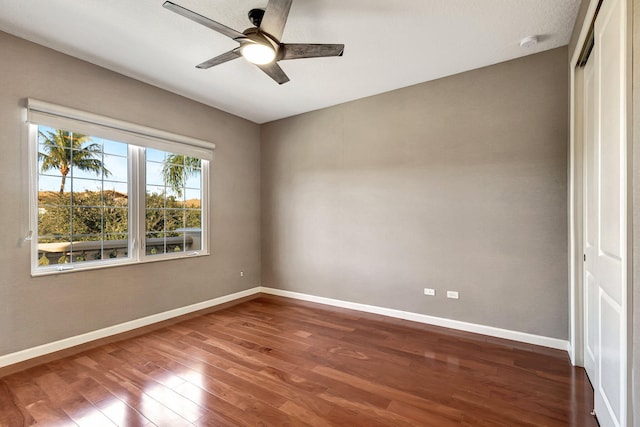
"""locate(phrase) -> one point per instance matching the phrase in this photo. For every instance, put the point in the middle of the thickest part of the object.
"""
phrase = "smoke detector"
(528, 42)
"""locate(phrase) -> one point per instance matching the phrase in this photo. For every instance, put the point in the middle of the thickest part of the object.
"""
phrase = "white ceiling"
(388, 44)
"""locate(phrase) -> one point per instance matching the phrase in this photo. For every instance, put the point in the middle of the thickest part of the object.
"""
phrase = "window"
(82, 196)
(107, 192)
(173, 202)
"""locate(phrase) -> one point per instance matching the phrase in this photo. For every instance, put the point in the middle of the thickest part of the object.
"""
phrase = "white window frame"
(40, 113)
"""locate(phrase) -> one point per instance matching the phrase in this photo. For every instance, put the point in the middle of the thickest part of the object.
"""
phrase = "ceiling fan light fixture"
(258, 53)
(261, 44)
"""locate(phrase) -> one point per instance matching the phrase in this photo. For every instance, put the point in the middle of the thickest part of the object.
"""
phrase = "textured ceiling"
(388, 44)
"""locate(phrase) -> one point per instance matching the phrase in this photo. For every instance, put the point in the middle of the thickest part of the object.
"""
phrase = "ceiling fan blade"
(274, 71)
(297, 51)
(275, 18)
(220, 59)
(216, 26)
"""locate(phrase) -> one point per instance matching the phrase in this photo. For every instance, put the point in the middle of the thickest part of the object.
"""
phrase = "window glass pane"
(90, 170)
(79, 256)
(154, 174)
(116, 221)
(173, 203)
(86, 220)
(86, 247)
(175, 242)
(53, 159)
(49, 183)
(173, 176)
(155, 243)
(153, 155)
(193, 179)
(156, 193)
(155, 220)
(83, 222)
(116, 193)
(116, 245)
(174, 199)
(192, 198)
(54, 251)
(114, 252)
(53, 198)
(117, 148)
(174, 219)
(193, 230)
(116, 168)
(193, 218)
(54, 221)
(83, 186)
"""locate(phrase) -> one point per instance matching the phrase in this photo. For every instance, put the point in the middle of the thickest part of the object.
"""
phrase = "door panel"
(605, 204)
(591, 326)
(610, 363)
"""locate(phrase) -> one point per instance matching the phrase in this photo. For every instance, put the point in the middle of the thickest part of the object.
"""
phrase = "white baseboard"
(41, 350)
(430, 320)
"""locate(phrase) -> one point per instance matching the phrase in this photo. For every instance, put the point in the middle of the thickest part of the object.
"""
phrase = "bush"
(104, 212)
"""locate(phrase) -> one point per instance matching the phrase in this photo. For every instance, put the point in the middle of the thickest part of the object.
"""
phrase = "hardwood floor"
(275, 362)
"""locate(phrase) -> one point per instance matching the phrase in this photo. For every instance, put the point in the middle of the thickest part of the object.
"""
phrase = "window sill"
(88, 266)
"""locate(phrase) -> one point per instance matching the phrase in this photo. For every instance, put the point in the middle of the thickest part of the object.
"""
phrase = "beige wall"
(34, 311)
(635, 129)
(456, 184)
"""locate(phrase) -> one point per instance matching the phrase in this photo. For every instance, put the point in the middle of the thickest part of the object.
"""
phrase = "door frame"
(576, 202)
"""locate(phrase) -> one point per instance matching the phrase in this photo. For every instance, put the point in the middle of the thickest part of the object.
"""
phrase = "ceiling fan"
(261, 44)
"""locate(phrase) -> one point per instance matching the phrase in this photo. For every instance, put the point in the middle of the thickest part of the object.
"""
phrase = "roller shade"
(59, 117)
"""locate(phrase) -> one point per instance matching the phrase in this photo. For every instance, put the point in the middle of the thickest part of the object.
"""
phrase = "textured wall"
(34, 311)
(455, 184)
(634, 6)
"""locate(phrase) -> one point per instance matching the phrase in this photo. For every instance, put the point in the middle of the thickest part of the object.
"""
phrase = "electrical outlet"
(242, 274)
(429, 291)
(453, 294)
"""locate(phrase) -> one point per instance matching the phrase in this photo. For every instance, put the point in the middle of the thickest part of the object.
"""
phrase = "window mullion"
(136, 202)
(33, 192)
(204, 206)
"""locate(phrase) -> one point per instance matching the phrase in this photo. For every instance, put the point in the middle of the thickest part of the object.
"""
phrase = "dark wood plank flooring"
(276, 362)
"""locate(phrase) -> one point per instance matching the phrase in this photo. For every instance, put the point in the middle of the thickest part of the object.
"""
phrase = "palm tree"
(62, 150)
(177, 168)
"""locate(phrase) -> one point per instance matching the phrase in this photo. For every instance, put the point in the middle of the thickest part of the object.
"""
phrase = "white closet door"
(606, 213)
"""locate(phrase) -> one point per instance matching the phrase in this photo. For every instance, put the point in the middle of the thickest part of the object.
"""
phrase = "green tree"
(177, 168)
(158, 216)
(95, 214)
(62, 150)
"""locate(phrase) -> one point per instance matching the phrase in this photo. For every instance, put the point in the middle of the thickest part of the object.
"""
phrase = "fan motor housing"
(257, 36)
(255, 16)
